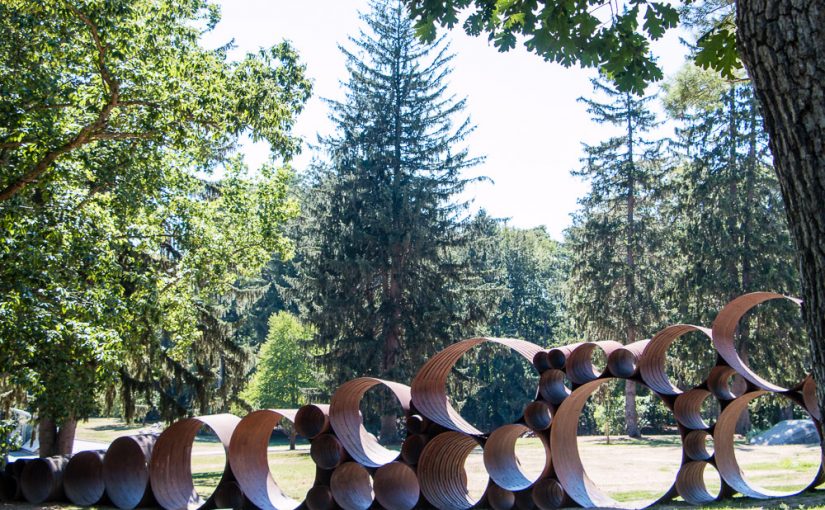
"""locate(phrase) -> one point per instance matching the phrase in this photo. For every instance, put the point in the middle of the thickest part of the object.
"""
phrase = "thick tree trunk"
(631, 416)
(782, 43)
(47, 437)
(65, 436)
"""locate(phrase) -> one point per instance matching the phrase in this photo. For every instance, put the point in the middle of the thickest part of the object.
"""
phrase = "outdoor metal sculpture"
(354, 472)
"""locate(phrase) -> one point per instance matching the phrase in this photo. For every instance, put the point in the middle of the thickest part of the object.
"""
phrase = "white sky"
(529, 124)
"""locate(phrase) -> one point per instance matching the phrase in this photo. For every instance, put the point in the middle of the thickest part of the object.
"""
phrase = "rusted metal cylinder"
(500, 499)
(579, 365)
(524, 500)
(541, 361)
(552, 387)
(501, 461)
(416, 424)
(312, 420)
(537, 416)
(412, 447)
(429, 387)
(249, 463)
(42, 479)
(567, 463)
(170, 470)
(687, 408)
(83, 478)
(624, 361)
(18, 466)
(724, 453)
(724, 331)
(653, 360)
(327, 452)
(690, 483)
(351, 486)
(126, 471)
(345, 419)
(396, 486)
(695, 445)
(441, 471)
(319, 497)
(718, 382)
(228, 494)
(557, 356)
(548, 494)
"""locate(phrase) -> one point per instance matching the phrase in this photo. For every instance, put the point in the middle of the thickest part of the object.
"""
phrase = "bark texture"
(782, 43)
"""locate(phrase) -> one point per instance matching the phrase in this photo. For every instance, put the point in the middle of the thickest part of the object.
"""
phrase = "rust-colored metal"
(441, 471)
(501, 461)
(552, 387)
(499, 498)
(624, 361)
(725, 456)
(724, 330)
(695, 445)
(412, 447)
(557, 356)
(416, 424)
(126, 471)
(652, 362)
(396, 486)
(809, 398)
(228, 495)
(537, 416)
(548, 494)
(319, 497)
(718, 382)
(690, 483)
(429, 388)
(345, 418)
(327, 452)
(248, 459)
(170, 470)
(524, 500)
(42, 479)
(312, 420)
(567, 463)
(83, 478)
(351, 486)
(579, 364)
(688, 408)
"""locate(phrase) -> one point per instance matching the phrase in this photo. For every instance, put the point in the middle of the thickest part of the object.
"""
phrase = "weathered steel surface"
(126, 471)
(345, 418)
(248, 459)
(170, 470)
(83, 478)
(429, 388)
(42, 479)
(355, 472)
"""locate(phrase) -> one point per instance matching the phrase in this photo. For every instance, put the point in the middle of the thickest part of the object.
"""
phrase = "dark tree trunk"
(47, 437)
(65, 436)
(782, 43)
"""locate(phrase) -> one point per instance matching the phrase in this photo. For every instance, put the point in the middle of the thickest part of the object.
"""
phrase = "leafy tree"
(284, 368)
(385, 277)
(731, 234)
(615, 239)
(789, 32)
(116, 254)
(535, 270)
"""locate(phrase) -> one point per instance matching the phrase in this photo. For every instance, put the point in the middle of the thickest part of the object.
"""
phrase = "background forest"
(145, 270)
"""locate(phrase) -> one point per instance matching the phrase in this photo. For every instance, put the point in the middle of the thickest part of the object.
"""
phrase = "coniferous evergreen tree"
(731, 234)
(385, 277)
(615, 238)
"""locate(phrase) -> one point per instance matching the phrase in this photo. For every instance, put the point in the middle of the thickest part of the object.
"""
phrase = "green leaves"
(717, 50)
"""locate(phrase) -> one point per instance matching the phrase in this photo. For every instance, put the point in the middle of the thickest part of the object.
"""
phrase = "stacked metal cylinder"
(355, 472)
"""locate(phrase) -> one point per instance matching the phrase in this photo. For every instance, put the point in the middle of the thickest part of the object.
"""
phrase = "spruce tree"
(385, 277)
(732, 235)
(614, 239)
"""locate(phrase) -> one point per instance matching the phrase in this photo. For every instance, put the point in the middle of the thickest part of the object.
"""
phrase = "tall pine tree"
(614, 239)
(731, 236)
(385, 277)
